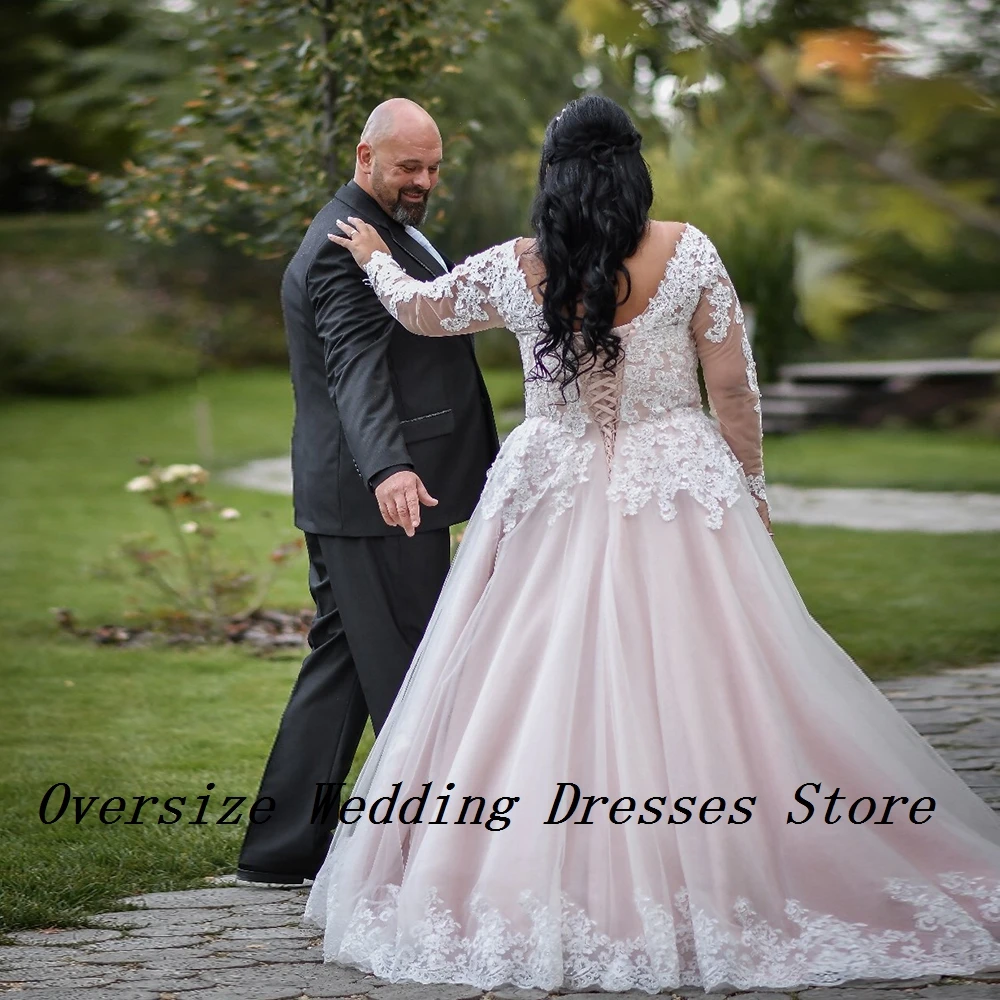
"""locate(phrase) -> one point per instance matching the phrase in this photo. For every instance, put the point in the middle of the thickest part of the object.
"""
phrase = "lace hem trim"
(550, 947)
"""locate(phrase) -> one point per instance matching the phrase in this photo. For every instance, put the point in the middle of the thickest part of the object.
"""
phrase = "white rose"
(229, 513)
(189, 527)
(174, 472)
(141, 484)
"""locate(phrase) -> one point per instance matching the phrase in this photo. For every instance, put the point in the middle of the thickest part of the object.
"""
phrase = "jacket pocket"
(427, 426)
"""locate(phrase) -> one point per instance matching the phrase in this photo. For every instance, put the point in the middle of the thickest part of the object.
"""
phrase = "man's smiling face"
(401, 162)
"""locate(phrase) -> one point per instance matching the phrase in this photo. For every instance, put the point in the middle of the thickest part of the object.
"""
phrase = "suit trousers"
(374, 597)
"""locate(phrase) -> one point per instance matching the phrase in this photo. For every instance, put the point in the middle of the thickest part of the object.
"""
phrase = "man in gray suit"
(385, 422)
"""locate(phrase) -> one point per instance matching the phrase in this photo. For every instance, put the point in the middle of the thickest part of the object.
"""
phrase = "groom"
(385, 421)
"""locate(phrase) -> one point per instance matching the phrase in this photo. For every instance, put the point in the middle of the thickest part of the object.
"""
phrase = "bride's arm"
(465, 300)
(731, 376)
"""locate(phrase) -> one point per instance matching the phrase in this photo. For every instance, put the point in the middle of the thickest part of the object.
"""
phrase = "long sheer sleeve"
(474, 296)
(723, 346)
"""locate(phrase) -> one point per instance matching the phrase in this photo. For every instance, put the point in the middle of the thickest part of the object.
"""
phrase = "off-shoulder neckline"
(689, 230)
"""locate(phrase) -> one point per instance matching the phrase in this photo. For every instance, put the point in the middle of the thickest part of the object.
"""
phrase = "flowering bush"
(194, 581)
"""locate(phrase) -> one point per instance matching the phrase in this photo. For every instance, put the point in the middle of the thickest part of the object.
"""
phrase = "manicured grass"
(165, 722)
(903, 459)
(900, 602)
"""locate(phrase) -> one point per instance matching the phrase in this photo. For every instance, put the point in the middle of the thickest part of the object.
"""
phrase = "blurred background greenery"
(159, 160)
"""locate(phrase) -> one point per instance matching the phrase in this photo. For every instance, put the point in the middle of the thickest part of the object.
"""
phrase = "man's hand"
(399, 499)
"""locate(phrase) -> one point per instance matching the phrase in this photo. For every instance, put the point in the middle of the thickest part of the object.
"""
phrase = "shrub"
(81, 333)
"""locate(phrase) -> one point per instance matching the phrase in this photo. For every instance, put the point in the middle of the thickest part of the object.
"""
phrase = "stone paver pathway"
(862, 509)
(248, 944)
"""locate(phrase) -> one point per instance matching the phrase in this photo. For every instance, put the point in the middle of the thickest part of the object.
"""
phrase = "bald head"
(402, 118)
(399, 156)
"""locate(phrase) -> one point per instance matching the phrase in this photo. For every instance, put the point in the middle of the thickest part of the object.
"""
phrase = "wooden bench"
(865, 393)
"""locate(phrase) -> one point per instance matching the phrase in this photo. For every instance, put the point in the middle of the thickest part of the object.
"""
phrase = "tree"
(285, 87)
(64, 67)
(838, 179)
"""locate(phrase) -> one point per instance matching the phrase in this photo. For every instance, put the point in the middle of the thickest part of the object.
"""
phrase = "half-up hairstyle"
(590, 214)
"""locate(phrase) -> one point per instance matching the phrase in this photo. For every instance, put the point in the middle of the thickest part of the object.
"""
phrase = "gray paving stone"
(143, 944)
(248, 993)
(269, 933)
(250, 919)
(95, 993)
(215, 963)
(30, 987)
(887, 984)
(74, 935)
(763, 996)
(960, 991)
(36, 971)
(418, 991)
(208, 898)
(151, 917)
(174, 930)
(868, 993)
(16, 954)
(515, 993)
(285, 956)
(132, 957)
(173, 984)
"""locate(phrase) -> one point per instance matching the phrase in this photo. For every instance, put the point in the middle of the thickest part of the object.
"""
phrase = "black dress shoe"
(271, 878)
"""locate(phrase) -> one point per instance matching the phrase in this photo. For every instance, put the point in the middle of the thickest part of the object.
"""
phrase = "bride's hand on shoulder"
(360, 237)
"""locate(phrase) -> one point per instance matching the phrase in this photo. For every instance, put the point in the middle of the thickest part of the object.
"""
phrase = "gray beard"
(408, 215)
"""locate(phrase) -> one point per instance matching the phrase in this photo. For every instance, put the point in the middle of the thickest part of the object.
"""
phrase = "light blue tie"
(426, 244)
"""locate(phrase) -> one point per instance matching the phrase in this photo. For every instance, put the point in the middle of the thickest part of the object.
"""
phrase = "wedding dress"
(618, 617)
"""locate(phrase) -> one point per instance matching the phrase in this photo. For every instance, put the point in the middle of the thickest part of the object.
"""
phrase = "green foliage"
(284, 89)
(81, 333)
(493, 116)
(87, 312)
(196, 583)
(838, 186)
(66, 67)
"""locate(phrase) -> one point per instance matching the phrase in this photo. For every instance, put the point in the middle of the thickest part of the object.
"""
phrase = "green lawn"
(168, 721)
(904, 459)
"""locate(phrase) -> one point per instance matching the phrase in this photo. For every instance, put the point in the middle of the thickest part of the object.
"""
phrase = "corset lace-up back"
(646, 414)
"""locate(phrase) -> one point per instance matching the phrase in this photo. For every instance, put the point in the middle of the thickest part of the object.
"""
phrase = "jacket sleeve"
(356, 331)
(476, 295)
(727, 363)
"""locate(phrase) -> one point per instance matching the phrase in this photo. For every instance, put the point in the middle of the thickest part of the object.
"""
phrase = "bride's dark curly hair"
(589, 215)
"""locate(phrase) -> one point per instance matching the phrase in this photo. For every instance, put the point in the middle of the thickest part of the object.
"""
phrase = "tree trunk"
(329, 105)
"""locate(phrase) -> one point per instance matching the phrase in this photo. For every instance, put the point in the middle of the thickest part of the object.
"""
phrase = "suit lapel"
(410, 246)
(415, 257)
(394, 234)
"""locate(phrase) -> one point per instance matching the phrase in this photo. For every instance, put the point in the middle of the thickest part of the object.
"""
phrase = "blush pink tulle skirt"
(649, 662)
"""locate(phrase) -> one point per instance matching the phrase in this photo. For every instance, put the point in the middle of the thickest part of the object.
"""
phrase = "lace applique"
(649, 410)
(681, 451)
(491, 278)
(721, 299)
(540, 458)
(679, 944)
(751, 369)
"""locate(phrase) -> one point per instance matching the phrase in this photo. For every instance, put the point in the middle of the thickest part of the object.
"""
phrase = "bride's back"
(645, 267)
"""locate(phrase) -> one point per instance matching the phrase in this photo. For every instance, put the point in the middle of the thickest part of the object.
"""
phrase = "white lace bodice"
(646, 415)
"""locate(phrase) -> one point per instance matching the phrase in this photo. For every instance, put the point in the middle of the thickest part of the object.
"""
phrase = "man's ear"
(366, 156)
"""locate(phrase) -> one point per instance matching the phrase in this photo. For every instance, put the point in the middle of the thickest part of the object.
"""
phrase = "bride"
(642, 763)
